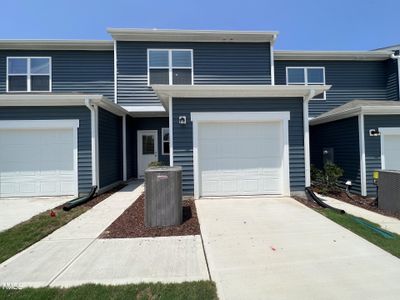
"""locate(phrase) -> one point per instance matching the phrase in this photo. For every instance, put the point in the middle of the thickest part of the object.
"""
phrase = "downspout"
(306, 125)
(394, 56)
(272, 60)
(94, 144)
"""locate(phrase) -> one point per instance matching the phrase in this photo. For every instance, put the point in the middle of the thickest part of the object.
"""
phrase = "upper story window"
(28, 74)
(306, 76)
(170, 66)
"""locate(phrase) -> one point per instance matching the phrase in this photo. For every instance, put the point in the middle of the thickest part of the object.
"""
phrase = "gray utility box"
(163, 196)
(389, 190)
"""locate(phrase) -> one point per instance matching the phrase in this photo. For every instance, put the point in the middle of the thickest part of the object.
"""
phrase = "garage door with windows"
(242, 157)
(38, 161)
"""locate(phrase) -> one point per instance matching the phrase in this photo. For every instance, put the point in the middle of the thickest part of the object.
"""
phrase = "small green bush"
(155, 164)
(328, 178)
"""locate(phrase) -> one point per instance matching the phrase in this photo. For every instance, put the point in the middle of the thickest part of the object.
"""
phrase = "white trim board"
(50, 124)
(363, 172)
(215, 117)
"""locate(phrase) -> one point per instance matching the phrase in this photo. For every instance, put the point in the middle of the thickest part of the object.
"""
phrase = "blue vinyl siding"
(392, 79)
(214, 63)
(349, 79)
(72, 70)
(183, 137)
(343, 137)
(110, 148)
(373, 145)
(56, 113)
(135, 124)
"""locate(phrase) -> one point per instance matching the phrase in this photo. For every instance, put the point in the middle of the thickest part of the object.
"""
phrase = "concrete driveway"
(276, 248)
(16, 210)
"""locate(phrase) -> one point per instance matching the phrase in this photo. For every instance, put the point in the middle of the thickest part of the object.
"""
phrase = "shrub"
(155, 164)
(328, 178)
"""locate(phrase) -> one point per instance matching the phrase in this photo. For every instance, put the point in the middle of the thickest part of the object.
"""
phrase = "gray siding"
(110, 148)
(373, 144)
(135, 124)
(214, 63)
(343, 137)
(349, 79)
(55, 113)
(72, 71)
(183, 137)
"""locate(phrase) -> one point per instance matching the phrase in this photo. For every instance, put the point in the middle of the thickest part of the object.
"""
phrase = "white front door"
(240, 158)
(37, 162)
(390, 148)
(147, 149)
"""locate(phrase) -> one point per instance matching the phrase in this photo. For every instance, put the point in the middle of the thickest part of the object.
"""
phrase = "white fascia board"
(60, 100)
(366, 110)
(235, 91)
(174, 35)
(331, 55)
(38, 124)
(56, 45)
(145, 109)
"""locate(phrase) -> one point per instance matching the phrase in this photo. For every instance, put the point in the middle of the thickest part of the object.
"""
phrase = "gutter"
(94, 140)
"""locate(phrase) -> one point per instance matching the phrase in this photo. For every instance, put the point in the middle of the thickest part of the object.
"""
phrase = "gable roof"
(355, 107)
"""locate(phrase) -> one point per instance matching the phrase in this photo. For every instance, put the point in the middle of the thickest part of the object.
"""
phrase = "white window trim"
(162, 140)
(384, 132)
(28, 74)
(243, 117)
(50, 124)
(170, 67)
(306, 78)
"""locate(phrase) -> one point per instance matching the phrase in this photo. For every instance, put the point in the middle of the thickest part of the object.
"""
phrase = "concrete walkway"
(16, 210)
(388, 223)
(277, 248)
(73, 255)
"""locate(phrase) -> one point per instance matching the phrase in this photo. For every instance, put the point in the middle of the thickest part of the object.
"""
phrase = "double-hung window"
(306, 76)
(28, 74)
(170, 66)
(165, 141)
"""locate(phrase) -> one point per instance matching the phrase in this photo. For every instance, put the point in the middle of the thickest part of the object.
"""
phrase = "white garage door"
(391, 152)
(36, 162)
(240, 158)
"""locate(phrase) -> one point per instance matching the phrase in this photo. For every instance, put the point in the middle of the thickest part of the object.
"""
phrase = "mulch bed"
(131, 223)
(96, 200)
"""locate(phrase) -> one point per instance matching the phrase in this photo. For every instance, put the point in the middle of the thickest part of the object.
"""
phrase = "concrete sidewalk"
(388, 223)
(277, 248)
(73, 255)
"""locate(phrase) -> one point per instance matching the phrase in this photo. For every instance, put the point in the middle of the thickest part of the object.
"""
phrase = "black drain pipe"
(321, 203)
(81, 200)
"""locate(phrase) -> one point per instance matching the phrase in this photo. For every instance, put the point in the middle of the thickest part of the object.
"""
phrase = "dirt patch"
(307, 202)
(131, 223)
(96, 200)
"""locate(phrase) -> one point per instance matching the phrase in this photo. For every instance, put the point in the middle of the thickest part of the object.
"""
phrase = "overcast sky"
(303, 24)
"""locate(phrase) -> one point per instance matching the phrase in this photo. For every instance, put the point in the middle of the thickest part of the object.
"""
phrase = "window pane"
(40, 83)
(182, 76)
(147, 144)
(315, 75)
(159, 76)
(17, 66)
(295, 75)
(17, 83)
(40, 66)
(165, 132)
(181, 58)
(166, 147)
(158, 59)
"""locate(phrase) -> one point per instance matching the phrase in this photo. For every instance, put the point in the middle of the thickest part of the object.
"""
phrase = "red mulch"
(357, 200)
(131, 223)
(96, 200)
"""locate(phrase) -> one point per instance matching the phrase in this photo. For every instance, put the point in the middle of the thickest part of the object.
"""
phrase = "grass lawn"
(23, 235)
(202, 290)
(390, 245)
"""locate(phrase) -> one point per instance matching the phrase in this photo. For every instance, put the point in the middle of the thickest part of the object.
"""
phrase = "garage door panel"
(392, 151)
(37, 162)
(240, 158)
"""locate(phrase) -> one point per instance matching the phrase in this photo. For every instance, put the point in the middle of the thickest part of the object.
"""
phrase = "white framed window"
(306, 76)
(165, 141)
(170, 66)
(29, 74)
